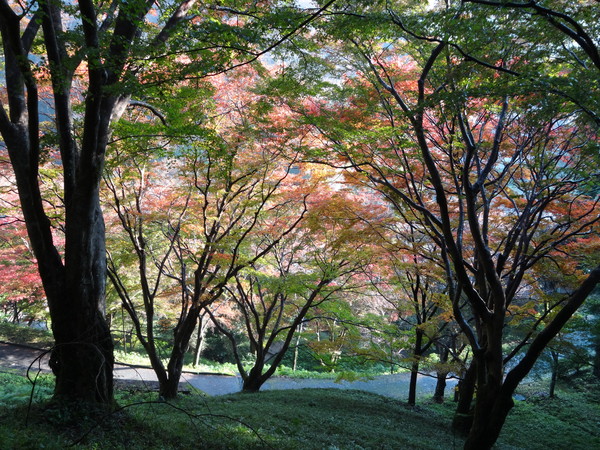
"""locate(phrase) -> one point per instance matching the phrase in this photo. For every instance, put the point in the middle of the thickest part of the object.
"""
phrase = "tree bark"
(440, 387)
(255, 378)
(182, 336)
(83, 357)
(463, 416)
(596, 369)
(490, 415)
(414, 369)
(554, 373)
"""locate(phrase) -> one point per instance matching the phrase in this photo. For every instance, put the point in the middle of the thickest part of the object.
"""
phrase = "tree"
(491, 175)
(414, 289)
(227, 202)
(74, 282)
(280, 293)
(23, 297)
(107, 53)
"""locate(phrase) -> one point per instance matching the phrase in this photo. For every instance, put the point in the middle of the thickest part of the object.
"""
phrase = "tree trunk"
(463, 416)
(168, 388)
(182, 335)
(414, 370)
(199, 340)
(440, 387)
(596, 369)
(491, 411)
(82, 359)
(297, 349)
(554, 373)
(255, 379)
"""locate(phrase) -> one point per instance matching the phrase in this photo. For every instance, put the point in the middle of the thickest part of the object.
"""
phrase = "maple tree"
(286, 289)
(96, 58)
(492, 179)
(226, 204)
(21, 292)
(417, 299)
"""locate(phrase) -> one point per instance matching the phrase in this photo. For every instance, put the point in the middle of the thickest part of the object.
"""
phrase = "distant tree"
(216, 202)
(278, 294)
(22, 294)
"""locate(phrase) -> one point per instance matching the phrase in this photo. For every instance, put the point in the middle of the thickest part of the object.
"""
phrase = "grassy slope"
(25, 335)
(303, 419)
(306, 419)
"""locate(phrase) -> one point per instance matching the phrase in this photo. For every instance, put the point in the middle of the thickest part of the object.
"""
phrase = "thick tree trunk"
(82, 359)
(491, 411)
(255, 379)
(83, 356)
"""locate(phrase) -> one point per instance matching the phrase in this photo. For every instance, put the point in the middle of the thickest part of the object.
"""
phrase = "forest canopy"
(408, 184)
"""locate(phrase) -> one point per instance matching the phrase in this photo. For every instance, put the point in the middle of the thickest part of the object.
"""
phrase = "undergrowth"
(302, 419)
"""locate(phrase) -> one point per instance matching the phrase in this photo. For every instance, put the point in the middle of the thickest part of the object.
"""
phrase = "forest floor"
(279, 419)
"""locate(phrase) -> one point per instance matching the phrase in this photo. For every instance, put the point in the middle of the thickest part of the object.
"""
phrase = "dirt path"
(20, 358)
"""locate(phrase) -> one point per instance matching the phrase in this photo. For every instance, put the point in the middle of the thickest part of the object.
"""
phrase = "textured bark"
(74, 282)
(490, 416)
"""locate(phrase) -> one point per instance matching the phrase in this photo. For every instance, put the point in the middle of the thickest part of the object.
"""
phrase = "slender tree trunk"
(414, 370)
(596, 369)
(440, 386)
(554, 373)
(199, 340)
(182, 335)
(297, 349)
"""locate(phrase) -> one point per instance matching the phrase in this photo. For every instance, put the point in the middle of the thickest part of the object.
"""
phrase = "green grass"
(19, 334)
(299, 419)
